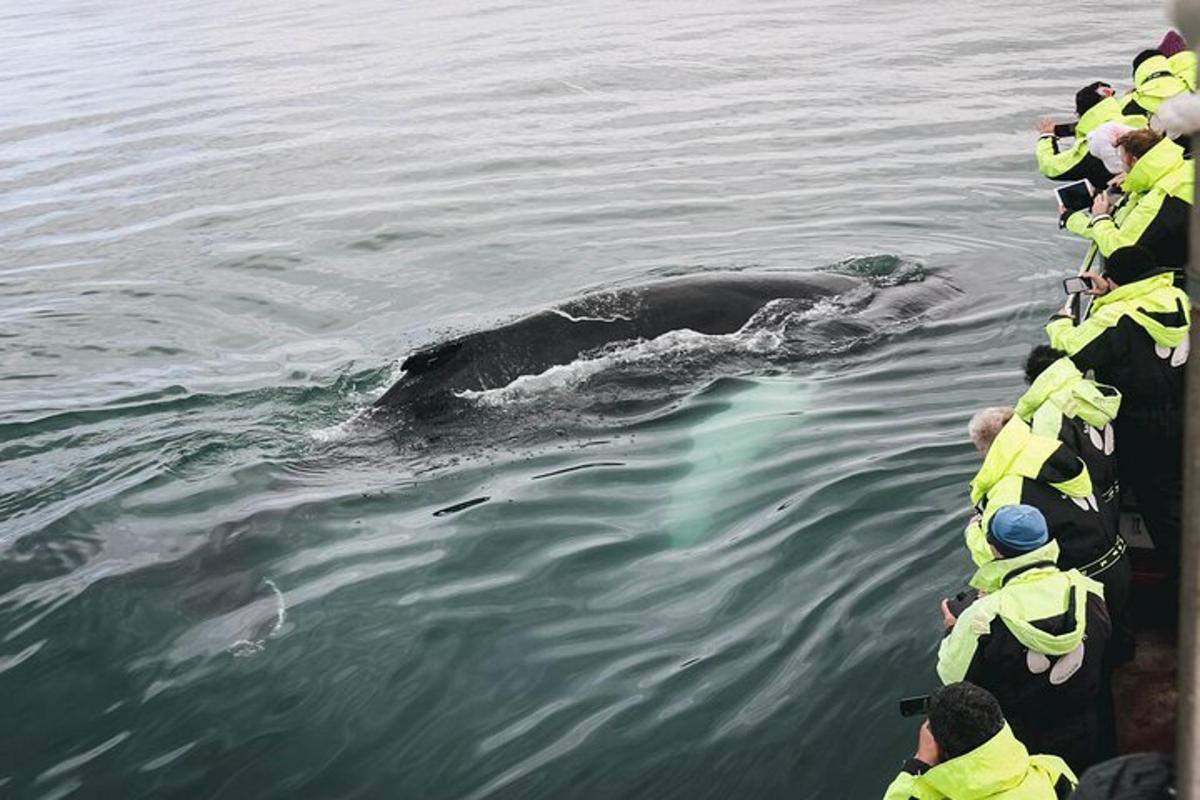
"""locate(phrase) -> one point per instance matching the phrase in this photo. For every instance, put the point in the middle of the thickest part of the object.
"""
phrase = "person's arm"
(1080, 223)
(958, 650)
(906, 785)
(1094, 344)
(1072, 338)
(976, 539)
(1069, 165)
(1110, 237)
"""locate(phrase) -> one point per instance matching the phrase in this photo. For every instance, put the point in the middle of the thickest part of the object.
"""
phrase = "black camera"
(914, 706)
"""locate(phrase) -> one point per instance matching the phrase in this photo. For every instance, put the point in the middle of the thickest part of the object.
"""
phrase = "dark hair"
(1089, 96)
(1142, 56)
(1039, 358)
(962, 717)
(1130, 263)
(1138, 143)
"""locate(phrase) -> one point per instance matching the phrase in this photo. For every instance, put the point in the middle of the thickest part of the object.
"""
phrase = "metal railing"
(1187, 770)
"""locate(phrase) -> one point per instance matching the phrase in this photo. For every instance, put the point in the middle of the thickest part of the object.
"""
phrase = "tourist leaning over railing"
(1155, 213)
(966, 751)
(1096, 107)
(1154, 80)
(1021, 467)
(1062, 404)
(1136, 339)
(1037, 640)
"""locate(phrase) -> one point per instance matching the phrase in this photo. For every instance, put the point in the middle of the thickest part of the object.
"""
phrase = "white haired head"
(985, 426)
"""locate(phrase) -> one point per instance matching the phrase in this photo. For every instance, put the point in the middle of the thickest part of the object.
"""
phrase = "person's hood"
(998, 765)
(1016, 451)
(1155, 294)
(1150, 168)
(1150, 66)
(1063, 385)
(1183, 65)
(1106, 110)
(1020, 583)
(990, 576)
(1155, 81)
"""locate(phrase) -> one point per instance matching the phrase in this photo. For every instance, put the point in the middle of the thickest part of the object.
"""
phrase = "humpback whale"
(711, 303)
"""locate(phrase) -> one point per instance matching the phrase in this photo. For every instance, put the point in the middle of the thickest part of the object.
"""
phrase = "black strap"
(1026, 568)
(1162, 73)
(1105, 561)
(1063, 787)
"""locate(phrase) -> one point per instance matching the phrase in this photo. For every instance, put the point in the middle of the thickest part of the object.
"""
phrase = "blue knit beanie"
(1018, 529)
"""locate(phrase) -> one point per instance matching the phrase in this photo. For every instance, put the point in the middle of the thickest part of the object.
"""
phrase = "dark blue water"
(680, 568)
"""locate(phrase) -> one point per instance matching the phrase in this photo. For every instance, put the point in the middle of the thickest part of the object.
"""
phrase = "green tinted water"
(223, 226)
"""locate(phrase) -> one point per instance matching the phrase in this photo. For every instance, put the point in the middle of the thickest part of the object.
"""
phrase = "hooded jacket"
(1183, 66)
(1022, 467)
(1037, 642)
(1061, 404)
(999, 769)
(1135, 340)
(1153, 82)
(1160, 191)
(1078, 162)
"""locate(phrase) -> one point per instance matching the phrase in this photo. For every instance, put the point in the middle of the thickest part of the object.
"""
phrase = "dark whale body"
(711, 304)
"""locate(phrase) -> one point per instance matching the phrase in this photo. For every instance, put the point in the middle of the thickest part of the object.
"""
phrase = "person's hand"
(1045, 125)
(1102, 204)
(1100, 284)
(948, 619)
(927, 747)
(1118, 179)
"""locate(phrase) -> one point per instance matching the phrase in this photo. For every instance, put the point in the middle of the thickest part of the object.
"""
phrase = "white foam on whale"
(762, 335)
(571, 318)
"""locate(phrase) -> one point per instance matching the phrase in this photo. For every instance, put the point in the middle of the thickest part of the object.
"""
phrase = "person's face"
(1127, 159)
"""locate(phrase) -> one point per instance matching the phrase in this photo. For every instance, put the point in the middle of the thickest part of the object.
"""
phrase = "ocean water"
(680, 568)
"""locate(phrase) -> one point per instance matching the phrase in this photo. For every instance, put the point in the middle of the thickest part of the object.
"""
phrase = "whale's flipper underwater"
(725, 447)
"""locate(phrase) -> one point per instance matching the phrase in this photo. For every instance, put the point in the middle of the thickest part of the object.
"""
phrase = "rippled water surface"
(678, 568)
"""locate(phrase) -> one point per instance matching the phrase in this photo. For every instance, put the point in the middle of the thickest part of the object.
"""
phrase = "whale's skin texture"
(710, 303)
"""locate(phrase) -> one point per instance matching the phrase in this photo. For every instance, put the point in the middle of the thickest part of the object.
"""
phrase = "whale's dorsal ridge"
(431, 357)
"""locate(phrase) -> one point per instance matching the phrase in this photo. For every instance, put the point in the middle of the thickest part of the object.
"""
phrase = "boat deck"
(1144, 690)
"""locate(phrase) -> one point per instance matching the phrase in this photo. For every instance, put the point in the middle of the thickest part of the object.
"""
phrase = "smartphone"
(1076, 285)
(1075, 196)
(914, 706)
(962, 600)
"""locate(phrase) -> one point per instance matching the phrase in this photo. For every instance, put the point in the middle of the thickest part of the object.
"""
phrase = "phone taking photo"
(914, 706)
(1077, 285)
